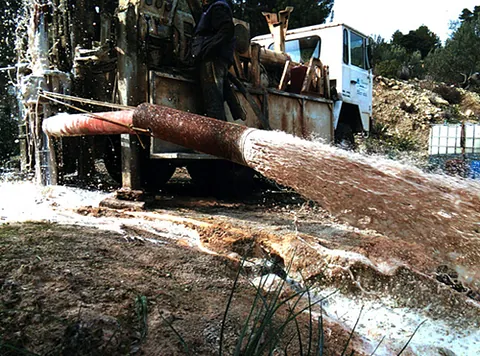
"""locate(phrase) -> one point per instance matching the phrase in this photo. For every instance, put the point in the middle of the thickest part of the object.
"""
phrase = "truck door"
(357, 77)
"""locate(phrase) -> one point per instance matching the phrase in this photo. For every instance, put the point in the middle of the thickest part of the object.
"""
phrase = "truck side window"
(346, 54)
(302, 49)
(357, 50)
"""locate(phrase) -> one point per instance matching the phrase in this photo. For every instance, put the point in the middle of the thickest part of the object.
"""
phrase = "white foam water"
(385, 328)
(24, 201)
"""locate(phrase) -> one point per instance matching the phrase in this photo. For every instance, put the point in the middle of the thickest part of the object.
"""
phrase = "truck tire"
(221, 177)
(156, 173)
(344, 137)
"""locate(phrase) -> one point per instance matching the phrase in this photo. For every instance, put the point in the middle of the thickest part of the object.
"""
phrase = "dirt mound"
(79, 291)
(403, 111)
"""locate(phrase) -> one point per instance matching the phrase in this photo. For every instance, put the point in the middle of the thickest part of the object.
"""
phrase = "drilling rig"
(92, 56)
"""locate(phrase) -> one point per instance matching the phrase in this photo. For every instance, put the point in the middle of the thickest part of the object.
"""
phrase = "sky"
(384, 17)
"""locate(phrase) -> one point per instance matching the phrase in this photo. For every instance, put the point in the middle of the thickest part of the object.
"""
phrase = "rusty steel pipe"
(105, 123)
(197, 132)
(200, 133)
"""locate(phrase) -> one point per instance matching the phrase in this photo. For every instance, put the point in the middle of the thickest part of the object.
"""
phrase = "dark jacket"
(215, 33)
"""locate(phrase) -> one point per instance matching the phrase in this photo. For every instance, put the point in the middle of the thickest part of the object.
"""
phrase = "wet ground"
(90, 280)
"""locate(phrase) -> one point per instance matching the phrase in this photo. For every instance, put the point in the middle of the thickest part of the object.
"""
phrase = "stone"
(438, 101)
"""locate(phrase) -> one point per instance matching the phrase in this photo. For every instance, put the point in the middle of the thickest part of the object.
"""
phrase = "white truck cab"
(345, 51)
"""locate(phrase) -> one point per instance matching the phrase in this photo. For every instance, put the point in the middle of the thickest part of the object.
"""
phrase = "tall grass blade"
(375, 350)
(268, 316)
(411, 337)
(353, 330)
(141, 307)
(227, 308)
(289, 319)
(310, 322)
(320, 336)
(261, 315)
(285, 350)
(300, 343)
(182, 341)
(291, 316)
(111, 338)
(258, 296)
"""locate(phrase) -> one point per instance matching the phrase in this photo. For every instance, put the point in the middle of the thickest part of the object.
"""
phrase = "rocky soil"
(404, 110)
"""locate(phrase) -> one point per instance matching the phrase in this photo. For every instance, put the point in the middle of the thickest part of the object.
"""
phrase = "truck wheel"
(221, 177)
(344, 136)
(157, 173)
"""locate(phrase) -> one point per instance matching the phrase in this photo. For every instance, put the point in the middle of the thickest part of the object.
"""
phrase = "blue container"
(475, 169)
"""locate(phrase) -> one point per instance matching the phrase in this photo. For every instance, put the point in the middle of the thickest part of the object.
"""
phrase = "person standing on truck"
(213, 46)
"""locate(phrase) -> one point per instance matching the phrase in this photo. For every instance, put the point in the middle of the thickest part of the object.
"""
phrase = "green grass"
(271, 314)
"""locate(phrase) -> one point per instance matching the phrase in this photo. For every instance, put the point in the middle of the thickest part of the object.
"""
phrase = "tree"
(403, 57)
(8, 122)
(306, 12)
(397, 37)
(251, 12)
(388, 59)
(468, 15)
(460, 58)
(393, 61)
(422, 40)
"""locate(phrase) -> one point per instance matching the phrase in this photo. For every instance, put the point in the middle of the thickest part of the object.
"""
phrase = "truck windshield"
(302, 49)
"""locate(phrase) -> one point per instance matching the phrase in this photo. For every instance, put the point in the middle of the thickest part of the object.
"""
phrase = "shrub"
(450, 94)
(8, 133)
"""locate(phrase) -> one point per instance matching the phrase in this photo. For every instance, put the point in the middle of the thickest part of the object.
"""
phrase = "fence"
(456, 145)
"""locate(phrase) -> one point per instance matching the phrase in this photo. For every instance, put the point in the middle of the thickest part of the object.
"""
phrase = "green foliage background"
(460, 57)
(8, 111)
(306, 12)
(420, 54)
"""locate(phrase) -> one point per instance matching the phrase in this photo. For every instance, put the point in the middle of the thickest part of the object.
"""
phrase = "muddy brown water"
(438, 213)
